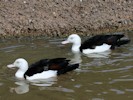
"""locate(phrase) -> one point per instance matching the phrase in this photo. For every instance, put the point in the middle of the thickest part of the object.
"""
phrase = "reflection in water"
(22, 87)
(44, 82)
(99, 55)
(76, 58)
(120, 80)
(117, 91)
(62, 89)
(11, 48)
(125, 68)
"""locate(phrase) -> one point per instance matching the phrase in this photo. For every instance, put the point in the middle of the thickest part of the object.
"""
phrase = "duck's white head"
(19, 63)
(75, 40)
(22, 66)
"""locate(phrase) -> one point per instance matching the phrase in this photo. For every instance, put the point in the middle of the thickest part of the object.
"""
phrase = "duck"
(42, 69)
(96, 44)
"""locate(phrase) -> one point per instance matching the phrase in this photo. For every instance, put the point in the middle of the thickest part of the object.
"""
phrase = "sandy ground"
(63, 17)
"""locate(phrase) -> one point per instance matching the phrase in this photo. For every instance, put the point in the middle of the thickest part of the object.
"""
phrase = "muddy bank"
(60, 17)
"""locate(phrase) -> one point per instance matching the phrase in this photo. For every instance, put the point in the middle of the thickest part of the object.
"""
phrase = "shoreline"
(56, 18)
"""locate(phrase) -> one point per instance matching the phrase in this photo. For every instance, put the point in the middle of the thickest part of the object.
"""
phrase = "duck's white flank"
(43, 75)
(97, 49)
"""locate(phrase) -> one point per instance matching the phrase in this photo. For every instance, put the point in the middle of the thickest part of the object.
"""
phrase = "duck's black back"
(98, 40)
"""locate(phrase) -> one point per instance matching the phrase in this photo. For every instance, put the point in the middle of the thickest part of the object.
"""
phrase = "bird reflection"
(99, 55)
(23, 85)
(44, 82)
(76, 58)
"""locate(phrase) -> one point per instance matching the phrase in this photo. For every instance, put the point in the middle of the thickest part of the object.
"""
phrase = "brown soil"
(60, 17)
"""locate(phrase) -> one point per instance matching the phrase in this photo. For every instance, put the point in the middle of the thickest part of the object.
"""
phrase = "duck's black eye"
(71, 38)
(17, 62)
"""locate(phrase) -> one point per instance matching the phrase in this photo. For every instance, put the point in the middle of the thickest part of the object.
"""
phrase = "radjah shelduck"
(42, 69)
(96, 44)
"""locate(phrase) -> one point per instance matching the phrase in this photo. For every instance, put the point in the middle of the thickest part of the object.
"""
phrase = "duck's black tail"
(122, 42)
(117, 40)
(67, 69)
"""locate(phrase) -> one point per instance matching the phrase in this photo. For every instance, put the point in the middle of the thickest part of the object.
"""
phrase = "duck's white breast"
(75, 48)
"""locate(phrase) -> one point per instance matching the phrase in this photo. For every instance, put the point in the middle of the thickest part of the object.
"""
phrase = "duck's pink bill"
(65, 42)
(10, 66)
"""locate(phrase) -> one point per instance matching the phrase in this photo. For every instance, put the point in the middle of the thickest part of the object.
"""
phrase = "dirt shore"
(63, 17)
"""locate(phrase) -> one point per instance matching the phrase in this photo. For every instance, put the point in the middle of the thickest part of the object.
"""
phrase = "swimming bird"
(42, 69)
(96, 44)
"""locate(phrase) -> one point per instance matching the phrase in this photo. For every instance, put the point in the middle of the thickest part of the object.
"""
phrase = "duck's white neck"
(75, 47)
(20, 73)
(76, 44)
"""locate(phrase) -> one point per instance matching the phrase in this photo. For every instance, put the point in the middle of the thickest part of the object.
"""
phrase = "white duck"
(96, 44)
(43, 69)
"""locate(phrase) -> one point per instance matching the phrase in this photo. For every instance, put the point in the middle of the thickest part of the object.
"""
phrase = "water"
(107, 76)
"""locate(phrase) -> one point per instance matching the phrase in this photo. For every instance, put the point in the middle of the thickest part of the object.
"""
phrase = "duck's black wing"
(62, 65)
(57, 63)
(113, 40)
(67, 69)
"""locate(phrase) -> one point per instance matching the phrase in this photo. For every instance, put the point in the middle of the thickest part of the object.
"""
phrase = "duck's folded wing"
(58, 63)
(98, 40)
(67, 69)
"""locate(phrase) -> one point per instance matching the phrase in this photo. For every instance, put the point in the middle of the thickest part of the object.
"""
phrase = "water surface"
(106, 76)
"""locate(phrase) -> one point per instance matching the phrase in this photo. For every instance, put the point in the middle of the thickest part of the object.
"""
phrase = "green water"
(99, 77)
